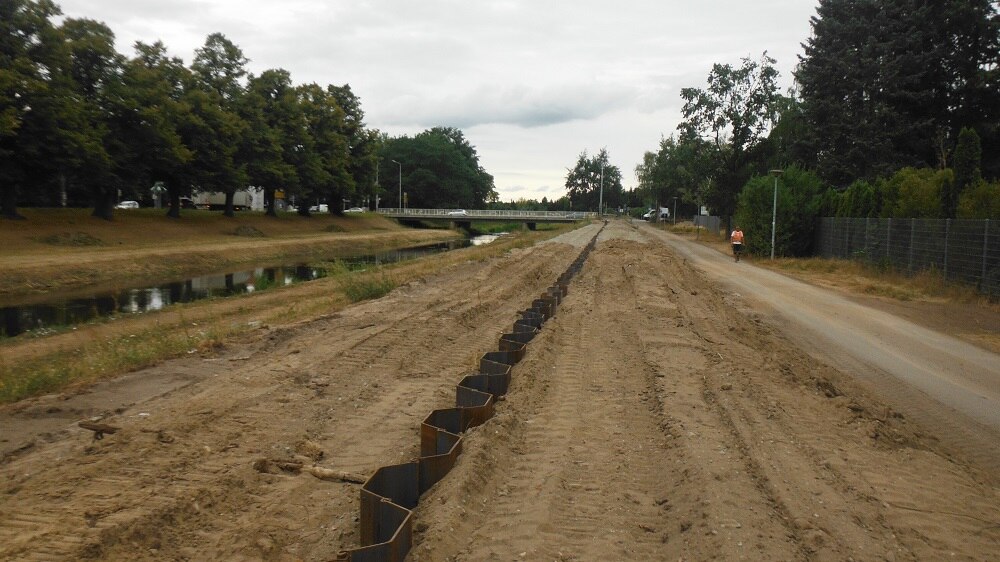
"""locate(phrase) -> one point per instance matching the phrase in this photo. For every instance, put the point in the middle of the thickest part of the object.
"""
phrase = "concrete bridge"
(462, 217)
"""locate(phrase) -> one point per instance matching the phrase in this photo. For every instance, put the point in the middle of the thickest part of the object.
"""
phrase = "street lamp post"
(400, 184)
(774, 207)
(600, 201)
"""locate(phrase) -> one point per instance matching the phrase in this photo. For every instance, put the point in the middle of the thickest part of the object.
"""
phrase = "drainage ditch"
(390, 495)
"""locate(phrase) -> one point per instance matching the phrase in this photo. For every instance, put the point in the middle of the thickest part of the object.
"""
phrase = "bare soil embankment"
(656, 417)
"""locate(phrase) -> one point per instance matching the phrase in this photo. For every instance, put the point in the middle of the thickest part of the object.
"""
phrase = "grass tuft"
(359, 287)
(92, 361)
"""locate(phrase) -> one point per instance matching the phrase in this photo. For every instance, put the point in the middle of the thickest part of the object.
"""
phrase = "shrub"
(799, 202)
(981, 201)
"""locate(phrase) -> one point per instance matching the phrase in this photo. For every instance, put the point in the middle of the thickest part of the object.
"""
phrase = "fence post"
(888, 241)
(913, 226)
(986, 246)
(947, 230)
(868, 244)
(847, 238)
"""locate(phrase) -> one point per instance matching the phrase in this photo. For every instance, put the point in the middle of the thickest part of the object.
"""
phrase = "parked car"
(187, 203)
(651, 214)
(458, 213)
(127, 205)
(355, 210)
(321, 208)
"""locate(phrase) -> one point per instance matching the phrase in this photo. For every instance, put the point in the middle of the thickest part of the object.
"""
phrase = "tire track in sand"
(582, 479)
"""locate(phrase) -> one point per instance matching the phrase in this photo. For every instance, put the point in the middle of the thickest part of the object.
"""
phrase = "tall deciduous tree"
(325, 120)
(733, 113)
(592, 177)
(440, 169)
(217, 91)
(268, 107)
(96, 70)
(363, 146)
(681, 168)
(39, 121)
(153, 119)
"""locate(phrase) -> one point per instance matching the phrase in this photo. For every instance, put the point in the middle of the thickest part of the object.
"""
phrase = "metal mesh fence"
(709, 223)
(961, 250)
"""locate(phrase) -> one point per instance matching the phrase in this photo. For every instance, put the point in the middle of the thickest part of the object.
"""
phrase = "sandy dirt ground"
(660, 415)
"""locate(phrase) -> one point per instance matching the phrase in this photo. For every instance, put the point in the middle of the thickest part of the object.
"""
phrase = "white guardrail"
(459, 214)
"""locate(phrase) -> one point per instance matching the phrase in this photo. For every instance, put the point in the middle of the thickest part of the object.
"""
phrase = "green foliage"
(888, 84)
(681, 168)
(96, 71)
(80, 123)
(915, 193)
(859, 200)
(328, 172)
(967, 162)
(980, 201)
(40, 118)
(593, 180)
(790, 141)
(799, 199)
(439, 169)
(830, 202)
(354, 174)
(219, 132)
(733, 113)
(366, 286)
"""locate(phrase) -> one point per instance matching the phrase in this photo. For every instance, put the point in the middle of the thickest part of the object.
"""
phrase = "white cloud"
(531, 83)
(516, 104)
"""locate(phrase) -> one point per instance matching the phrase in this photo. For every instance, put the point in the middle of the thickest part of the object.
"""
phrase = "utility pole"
(400, 184)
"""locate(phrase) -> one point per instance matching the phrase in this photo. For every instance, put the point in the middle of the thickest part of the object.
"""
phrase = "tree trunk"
(269, 202)
(228, 211)
(304, 205)
(8, 203)
(104, 207)
(174, 211)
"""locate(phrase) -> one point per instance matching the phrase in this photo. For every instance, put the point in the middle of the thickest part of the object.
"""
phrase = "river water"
(40, 318)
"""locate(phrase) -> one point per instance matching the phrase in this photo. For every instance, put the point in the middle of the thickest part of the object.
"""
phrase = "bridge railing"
(487, 214)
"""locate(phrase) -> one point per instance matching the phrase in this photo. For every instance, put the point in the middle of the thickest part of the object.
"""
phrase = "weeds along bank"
(33, 366)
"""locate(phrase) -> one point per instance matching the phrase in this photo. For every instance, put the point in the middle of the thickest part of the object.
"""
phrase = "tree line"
(895, 113)
(83, 125)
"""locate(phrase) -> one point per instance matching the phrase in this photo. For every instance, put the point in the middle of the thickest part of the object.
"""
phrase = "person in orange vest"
(736, 238)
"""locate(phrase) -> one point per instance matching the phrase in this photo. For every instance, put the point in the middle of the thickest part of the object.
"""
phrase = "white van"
(651, 214)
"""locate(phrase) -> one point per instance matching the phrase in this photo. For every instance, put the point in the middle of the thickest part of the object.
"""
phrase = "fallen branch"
(275, 466)
(99, 429)
(336, 475)
(272, 466)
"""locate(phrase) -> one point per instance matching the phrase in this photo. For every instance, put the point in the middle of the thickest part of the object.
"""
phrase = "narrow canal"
(59, 311)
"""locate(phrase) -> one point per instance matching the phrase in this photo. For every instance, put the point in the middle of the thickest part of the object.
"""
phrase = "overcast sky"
(531, 84)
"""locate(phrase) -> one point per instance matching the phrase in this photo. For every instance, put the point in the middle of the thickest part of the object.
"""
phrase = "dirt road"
(947, 383)
(659, 416)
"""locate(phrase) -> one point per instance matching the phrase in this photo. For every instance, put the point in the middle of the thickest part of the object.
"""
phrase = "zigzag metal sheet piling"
(390, 495)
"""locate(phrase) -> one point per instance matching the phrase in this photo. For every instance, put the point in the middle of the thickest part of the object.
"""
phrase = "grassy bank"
(58, 249)
(29, 367)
